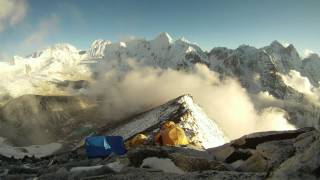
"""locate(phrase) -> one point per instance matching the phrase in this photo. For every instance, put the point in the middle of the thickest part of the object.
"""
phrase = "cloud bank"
(302, 84)
(226, 102)
(132, 88)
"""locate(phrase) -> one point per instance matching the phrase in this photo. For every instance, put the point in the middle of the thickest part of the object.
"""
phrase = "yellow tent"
(137, 140)
(173, 134)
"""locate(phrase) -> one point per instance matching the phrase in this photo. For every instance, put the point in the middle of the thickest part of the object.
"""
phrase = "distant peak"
(246, 47)
(164, 37)
(291, 48)
(63, 46)
(56, 48)
(276, 44)
(100, 42)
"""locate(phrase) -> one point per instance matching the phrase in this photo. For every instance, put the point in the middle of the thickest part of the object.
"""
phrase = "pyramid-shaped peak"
(164, 37)
(276, 44)
(291, 47)
(63, 46)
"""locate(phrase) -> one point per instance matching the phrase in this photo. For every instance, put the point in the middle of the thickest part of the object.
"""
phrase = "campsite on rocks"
(96, 89)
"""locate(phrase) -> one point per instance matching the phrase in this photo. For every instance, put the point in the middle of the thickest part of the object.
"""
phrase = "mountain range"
(52, 99)
(51, 89)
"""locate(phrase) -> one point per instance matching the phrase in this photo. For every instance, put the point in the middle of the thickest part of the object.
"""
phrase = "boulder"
(256, 163)
(191, 163)
(184, 158)
(305, 165)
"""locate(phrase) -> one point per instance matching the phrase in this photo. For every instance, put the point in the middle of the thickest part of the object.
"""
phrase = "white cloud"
(297, 82)
(12, 12)
(307, 53)
(225, 101)
(273, 119)
(302, 84)
(37, 38)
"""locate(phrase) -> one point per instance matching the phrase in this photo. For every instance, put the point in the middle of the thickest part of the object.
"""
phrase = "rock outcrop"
(265, 155)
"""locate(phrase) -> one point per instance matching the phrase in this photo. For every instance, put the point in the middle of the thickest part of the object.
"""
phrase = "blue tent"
(103, 146)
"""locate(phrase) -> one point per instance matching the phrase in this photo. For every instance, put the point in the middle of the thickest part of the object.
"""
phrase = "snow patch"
(164, 164)
(116, 166)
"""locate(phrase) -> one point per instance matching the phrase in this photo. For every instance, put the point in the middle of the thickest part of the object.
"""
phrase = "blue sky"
(209, 23)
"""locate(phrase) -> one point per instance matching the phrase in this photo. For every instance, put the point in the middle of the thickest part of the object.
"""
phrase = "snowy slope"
(162, 51)
(254, 67)
(58, 62)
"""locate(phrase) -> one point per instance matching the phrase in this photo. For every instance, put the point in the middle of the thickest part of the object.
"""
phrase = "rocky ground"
(266, 155)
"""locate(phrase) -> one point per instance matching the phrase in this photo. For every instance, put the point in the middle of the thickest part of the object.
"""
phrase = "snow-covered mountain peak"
(292, 51)
(246, 50)
(277, 48)
(56, 51)
(276, 45)
(163, 38)
(98, 47)
(64, 47)
(99, 43)
(199, 128)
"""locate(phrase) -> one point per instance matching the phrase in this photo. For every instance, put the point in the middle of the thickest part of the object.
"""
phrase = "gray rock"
(256, 163)
(189, 163)
(276, 152)
(251, 141)
(137, 155)
(223, 152)
(305, 140)
(304, 165)
(150, 174)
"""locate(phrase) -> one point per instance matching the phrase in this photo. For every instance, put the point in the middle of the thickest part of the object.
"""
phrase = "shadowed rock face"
(33, 119)
(283, 155)
(251, 142)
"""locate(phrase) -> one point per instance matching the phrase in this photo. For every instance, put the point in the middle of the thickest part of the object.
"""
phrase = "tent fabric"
(103, 146)
(173, 134)
(158, 138)
(137, 140)
(117, 144)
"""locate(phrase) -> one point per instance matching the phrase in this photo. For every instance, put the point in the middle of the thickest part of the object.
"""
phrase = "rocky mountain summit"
(266, 155)
(262, 155)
